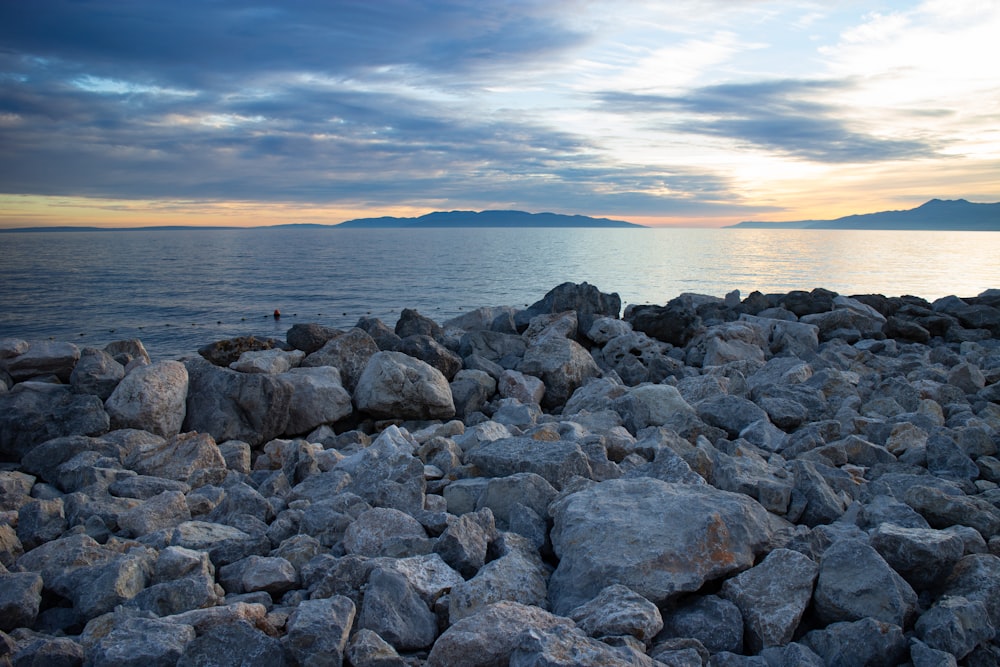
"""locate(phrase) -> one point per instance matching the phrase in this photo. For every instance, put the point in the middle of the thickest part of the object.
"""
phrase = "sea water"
(179, 289)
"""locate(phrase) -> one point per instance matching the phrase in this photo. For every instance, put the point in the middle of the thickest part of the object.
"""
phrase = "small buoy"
(277, 314)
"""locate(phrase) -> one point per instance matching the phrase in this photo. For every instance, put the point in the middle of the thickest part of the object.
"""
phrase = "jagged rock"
(471, 390)
(556, 461)
(675, 323)
(562, 364)
(40, 357)
(182, 580)
(428, 574)
(654, 405)
(229, 405)
(956, 625)
(977, 577)
(46, 650)
(41, 521)
(943, 509)
(271, 574)
(395, 385)
(412, 323)
(10, 545)
(517, 575)
(813, 502)
(772, 597)
(267, 361)
(716, 623)
(382, 531)
(586, 300)
(506, 349)
(735, 341)
(318, 397)
(20, 599)
(349, 352)
(618, 610)
(637, 358)
(554, 325)
(658, 539)
(430, 351)
(502, 495)
(387, 473)
(32, 413)
(605, 328)
(393, 609)
(464, 542)
(318, 631)
(367, 649)
(139, 642)
(478, 319)
(730, 413)
(855, 582)
(525, 388)
(96, 373)
(233, 645)
(192, 458)
(309, 337)
(865, 642)
(573, 649)
(224, 544)
(159, 512)
(923, 556)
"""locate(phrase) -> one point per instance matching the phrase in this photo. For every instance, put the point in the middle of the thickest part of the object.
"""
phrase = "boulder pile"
(784, 479)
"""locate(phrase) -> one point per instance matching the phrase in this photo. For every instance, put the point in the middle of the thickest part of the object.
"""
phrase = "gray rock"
(412, 323)
(573, 649)
(382, 531)
(49, 651)
(813, 501)
(15, 488)
(267, 361)
(41, 521)
(922, 655)
(41, 357)
(505, 349)
(233, 645)
(350, 352)
(480, 318)
(555, 325)
(716, 623)
(309, 337)
(588, 302)
(428, 350)
(502, 494)
(367, 649)
(791, 655)
(99, 588)
(525, 388)
(160, 512)
(655, 405)
(605, 328)
(127, 352)
(977, 577)
(395, 385)
(144, 487)
(182, 580)
(555, 461)
(658, 539)
(637, 358)
(562, 364)
(192, 458)
(318, 397)
(384, 337)
(427, 574)
(96, 373)
(271, 574)
(772, 597)
(489, 637)
(868, 642)
(518, 575)
(943, 509)
(151, 398)
(946, 459)
(923, 556)
(618, 610)
(393, 609)
(464, 542)
(747, 472)
(387, 473)
(595, 394)
(140, 642)
(967, 377)
(20, 599)
(471, 390)
(10, 546)
(318, 631)
(956, 625)
(224, 544)
(855, 582)
(32, 413)
(735, 341)
(229, 405)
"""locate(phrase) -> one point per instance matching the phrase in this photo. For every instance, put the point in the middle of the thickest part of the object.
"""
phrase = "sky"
(702, 113)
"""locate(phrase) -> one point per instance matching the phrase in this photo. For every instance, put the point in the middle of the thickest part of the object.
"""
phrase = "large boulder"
(675, 323)
(309, 337)
(659, 539)
(588, 302)
(96, 373)
(318, 397)
(151, 398)
(32, 413)
(397, 386)
(562, 364)
(229, 405)
(556, 461)
(637, 358)
(36, 358)
(349, 351)
(427, 349)
(193, 458)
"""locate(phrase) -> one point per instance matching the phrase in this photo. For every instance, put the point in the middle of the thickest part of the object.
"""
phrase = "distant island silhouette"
(466, 219)
(955, 215)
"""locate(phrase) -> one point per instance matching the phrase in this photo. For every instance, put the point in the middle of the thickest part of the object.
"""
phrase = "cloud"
(793, 117)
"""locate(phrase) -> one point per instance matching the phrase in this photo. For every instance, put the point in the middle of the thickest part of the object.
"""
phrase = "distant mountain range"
(466, 219)
(937, 214)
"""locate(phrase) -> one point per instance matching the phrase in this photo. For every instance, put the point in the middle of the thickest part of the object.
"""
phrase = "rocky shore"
(784, 479)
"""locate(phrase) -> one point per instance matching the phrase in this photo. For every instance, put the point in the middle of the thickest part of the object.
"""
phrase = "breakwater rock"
(789, 479)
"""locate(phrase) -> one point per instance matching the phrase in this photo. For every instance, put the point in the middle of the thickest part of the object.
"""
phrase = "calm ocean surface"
(177, 290)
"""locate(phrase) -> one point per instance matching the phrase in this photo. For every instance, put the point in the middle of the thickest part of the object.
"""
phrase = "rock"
(502, 495)
(267, 361)
(923, 556)
(605, 328)
(478, 319)
(525, 388)
(427, 574)
(573, 649)
(367, 649)
(393, 610)
(552, 325)
(866, 642)
(182, 580)
(505, 349)
(41, 521)
(813, 501)
(96, 373)
(471, 390)
(41, 357)
(977, 577)
(556, 461)
(658, 539)
(229, 405)
(730, 413)
(654, 405)
(140, 642)
(715, 623)
(318, 631)
(309, 337)
(430, 351)
(942, 509)
(637, 358)
(588, 302)
(386, 474)
(192, 458)
(618, 610)
(20, 599)
(271, 574)
(160, 512)
(772, 597)
(395, 385)
(855, 582)
(224, 544)
(517, 575)
(10, 545)
(562, 364)
(675, 323)
(956, 625)
(151, 398)
(318, 397)
(46, 650)
(464, 542)
(383, 531)
(412, 323)
(735, 341)
(32, 413)
(233, 645)
(487, 638)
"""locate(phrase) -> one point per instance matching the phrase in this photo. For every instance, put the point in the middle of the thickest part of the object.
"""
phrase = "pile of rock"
(789, 479)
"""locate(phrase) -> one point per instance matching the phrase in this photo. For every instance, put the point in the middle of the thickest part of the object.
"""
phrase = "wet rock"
(395, 385)
(658, 539)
